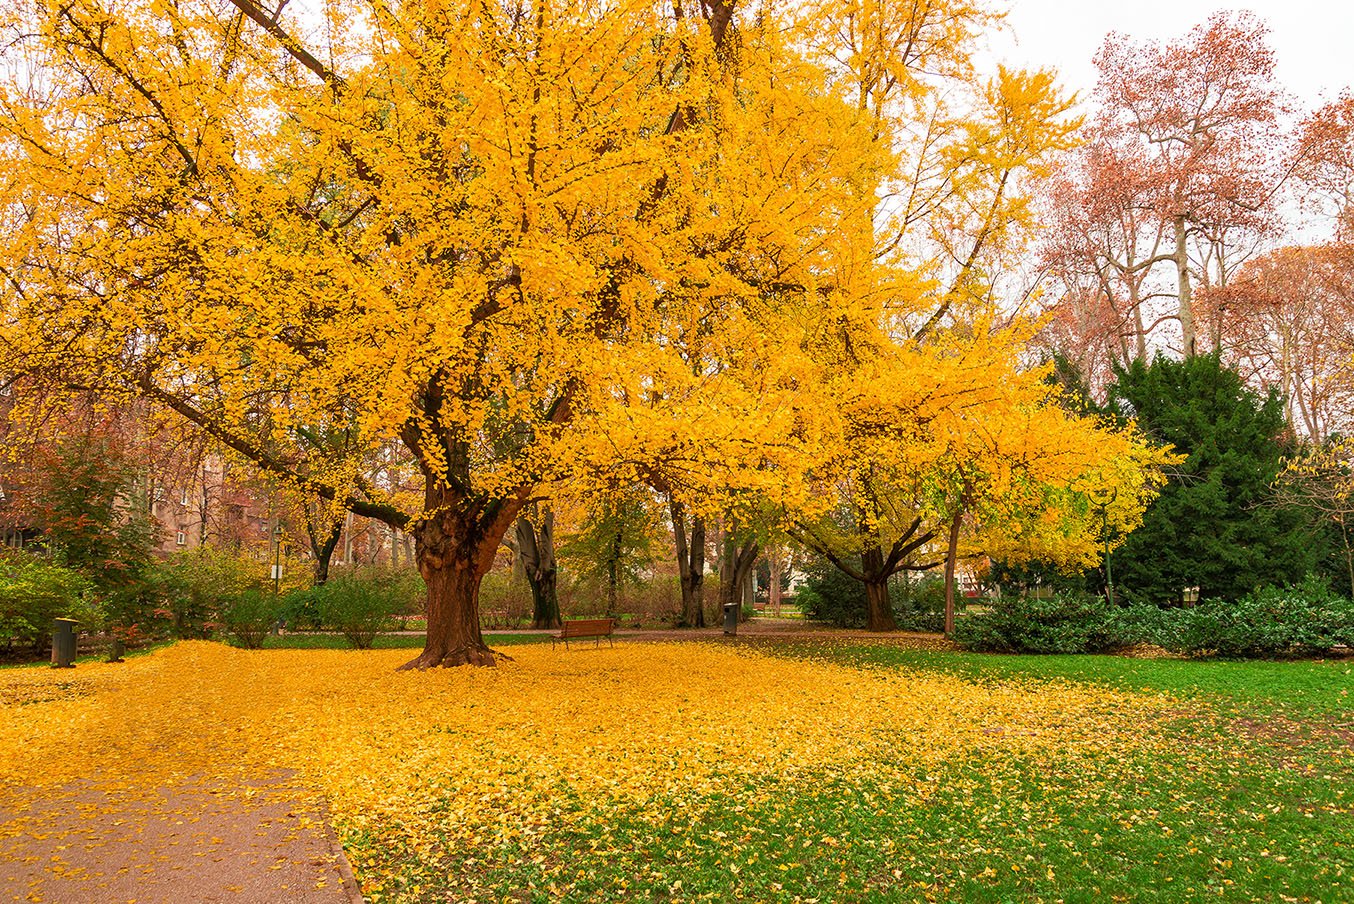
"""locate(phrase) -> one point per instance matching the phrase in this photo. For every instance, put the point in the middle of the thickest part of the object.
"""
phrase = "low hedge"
(1066, 622)
(1308, 619)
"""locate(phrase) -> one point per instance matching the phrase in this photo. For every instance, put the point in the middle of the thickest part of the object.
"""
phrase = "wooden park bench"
(586, 627)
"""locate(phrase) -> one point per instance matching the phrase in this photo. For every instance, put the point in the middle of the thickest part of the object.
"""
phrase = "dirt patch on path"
(81, 844)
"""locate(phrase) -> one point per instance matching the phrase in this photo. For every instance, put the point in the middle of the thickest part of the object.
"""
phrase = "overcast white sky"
(1313, 40)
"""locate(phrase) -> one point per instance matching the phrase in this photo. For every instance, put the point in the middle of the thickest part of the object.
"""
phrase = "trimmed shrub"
(1304, 620)
(919, 605)
(33, 593)
(1066, 622)
(828, 595)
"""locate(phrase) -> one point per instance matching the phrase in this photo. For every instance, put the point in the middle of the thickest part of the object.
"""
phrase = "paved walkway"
(761, 629)
(174, 845)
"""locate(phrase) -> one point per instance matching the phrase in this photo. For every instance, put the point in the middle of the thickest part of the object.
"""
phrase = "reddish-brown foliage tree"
(1179, 177)
(1325, 162)
(1290, 326)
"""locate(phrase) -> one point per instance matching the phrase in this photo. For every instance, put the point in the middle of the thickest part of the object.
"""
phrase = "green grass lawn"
(1247, 795)
(1304, 689)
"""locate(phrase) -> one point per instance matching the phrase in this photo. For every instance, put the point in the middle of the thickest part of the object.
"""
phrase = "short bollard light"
(63, 643)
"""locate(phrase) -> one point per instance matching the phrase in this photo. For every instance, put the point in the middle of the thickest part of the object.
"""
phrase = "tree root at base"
(482, 657)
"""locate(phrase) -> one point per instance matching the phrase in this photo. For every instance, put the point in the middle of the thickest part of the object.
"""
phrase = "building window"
(181, 538)
(183, 498)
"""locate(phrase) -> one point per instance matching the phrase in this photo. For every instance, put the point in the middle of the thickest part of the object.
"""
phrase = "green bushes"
(829, 595)
(359, 605)
(1066, 622)
(199, 586)
(250, 615)
(33, 593)
(1305, 620)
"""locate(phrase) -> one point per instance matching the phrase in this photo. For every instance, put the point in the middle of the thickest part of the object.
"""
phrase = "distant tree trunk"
(878, 606)
(1140, 328)
(1349, 555)
(690, 565)
(613, 574)
(324, 538)
(773, 592)
(951, 555)
(1186, 294)
(734, 568)
(536, 546)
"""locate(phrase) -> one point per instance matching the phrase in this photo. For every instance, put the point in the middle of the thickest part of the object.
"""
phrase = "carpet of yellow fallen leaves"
(483, 753)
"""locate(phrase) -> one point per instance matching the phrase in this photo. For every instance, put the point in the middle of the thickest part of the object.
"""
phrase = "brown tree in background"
(1177, 184)
(1288, 324)
(1325, 163)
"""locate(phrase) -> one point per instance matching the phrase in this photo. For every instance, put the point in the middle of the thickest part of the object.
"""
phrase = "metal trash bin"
(731, 618)
(63, 643)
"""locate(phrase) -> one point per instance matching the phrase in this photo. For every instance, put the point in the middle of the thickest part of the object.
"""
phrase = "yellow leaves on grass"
(486, 755)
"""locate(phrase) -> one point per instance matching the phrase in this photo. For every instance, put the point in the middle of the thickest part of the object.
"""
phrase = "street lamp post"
(277, 572)
(1103, 497)
(277, 559)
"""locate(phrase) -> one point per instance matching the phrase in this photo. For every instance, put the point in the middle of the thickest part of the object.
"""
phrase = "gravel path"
(173, 845)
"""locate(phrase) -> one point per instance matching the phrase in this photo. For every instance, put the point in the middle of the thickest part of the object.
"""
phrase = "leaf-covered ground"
(697, 772)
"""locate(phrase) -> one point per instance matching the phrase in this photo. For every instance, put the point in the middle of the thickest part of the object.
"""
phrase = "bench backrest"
(587, 627)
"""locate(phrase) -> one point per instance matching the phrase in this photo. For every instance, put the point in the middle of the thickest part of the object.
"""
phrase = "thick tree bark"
(878, 606)
(690, 565)
(454, 553)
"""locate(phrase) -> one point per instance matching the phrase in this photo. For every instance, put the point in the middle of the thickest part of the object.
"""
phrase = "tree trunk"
(1186, 294)
(323, 550)
(453, 557)
(951, 555)
(878, 606)
(536, 547)
(690, 566)
(1349, 556)
(613, 575)
(320, 571)
(1140, 329)
(545, 600)
(773, 592)
(734, 567)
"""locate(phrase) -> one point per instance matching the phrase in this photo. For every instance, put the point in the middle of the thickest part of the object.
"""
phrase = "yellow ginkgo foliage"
(483, 232)
(524, 244)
